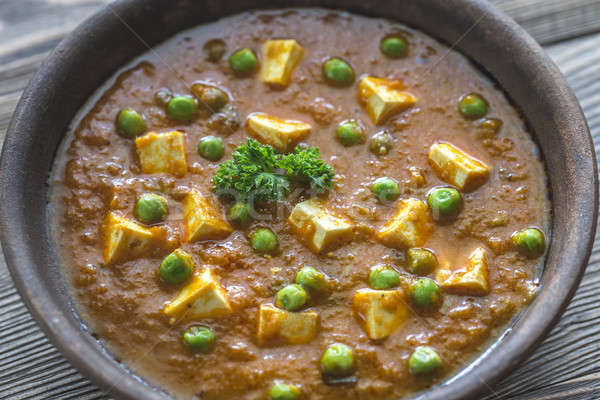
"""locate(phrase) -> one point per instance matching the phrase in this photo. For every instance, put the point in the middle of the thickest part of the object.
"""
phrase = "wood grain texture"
(566, 366)
(550, 21)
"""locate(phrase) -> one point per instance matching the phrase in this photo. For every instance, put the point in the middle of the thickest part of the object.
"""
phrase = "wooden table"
(566, 365)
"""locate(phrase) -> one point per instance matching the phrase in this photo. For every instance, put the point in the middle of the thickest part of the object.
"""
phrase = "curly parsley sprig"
(257, 171)
(306, 167)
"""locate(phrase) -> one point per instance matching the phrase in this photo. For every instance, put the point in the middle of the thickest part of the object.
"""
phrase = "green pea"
(386, 189)
(163, 96)
(183, 108)
(383, 277)
(292, 297)
(151, 208)
(215, 50)
(177, 267)
(199, 338)
(394, 46)
(130, 123)
(444, 202)
(264, 241)
(381, 143)
(420, 261)
(214, 98)
(492, 125)
(210, 97)
(240, 214)
(243, 62)
(424, 360)
(350, 132)
(338, 72)
(473, 106)
(425, 293)
(529, 241)
(337, 360)
(211, 148)
(283, 391)
(312, 279)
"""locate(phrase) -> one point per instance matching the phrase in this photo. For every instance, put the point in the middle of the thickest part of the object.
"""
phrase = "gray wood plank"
(553, 20)
(566, 366)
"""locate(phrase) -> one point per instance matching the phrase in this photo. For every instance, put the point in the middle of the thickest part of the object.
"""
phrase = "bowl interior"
(87, 57)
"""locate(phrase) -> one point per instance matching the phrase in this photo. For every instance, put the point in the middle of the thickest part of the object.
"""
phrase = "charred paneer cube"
(472, 280)
(282, 134)
(380, 312)
(125, 239)
(203, 220)
(162, 152)
(383, 98)
(410, 226)
(457, 167)
(279, 58)
(287, 326)
(317, 227)
(202, 297)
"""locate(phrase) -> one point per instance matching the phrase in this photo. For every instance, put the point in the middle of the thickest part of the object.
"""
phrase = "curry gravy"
(98, 171)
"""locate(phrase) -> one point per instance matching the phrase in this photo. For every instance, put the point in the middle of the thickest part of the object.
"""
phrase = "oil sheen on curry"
(299, 204)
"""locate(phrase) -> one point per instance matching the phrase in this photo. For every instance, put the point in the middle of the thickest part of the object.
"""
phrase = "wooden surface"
(566, 366)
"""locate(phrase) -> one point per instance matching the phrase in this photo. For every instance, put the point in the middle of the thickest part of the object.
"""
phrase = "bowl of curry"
(370, 200)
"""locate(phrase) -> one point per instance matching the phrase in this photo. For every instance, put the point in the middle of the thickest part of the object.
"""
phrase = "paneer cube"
(203, 297)
(162, 152)
(125, 239)
(380, 312)
(471, 280)
(290, 327)
(269, 322)
(282, 134)
(383, 97)
(318, 227)
(202, 219)
(410, 226)
(457, 167)
(279, 58)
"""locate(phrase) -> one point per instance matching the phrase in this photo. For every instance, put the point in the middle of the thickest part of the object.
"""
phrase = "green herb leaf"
(305, 166)
(258, 173)
(270, 186)
(251, 173)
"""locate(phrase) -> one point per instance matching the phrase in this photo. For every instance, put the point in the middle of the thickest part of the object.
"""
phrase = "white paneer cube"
(282, 134)
(162, 152)
(279, 58)
(410, 226)
(457, 167)
(125, 239)
(380, 312)
(203, 297)
(472, 280)
(383, 97)
(318, 227)
(202, 219)
(289, 327)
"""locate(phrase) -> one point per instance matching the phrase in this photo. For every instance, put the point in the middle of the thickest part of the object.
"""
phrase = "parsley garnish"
(257, 172)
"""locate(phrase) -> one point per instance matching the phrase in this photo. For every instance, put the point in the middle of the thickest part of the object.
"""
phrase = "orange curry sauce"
(98, 171)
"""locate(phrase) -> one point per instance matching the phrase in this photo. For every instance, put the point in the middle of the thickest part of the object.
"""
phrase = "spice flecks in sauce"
(99, 172)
